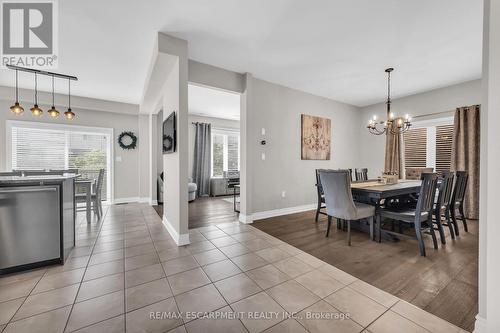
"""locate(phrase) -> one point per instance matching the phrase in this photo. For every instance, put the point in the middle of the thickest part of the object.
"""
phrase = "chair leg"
(461, 210)
(348, 232)
(434, 238)
(317, 211)
(379, 228)
(440, 228)
(372, 227)
(329, 224)
(454, 219)
(450, 224)
(421, 245)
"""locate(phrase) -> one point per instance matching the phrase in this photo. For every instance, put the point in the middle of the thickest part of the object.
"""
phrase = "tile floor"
(127, 274)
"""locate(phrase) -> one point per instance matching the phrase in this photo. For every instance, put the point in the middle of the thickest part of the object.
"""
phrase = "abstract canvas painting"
(316, 138)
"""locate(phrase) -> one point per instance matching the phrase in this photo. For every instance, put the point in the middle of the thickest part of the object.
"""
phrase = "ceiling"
(213, 103)
(332, 48)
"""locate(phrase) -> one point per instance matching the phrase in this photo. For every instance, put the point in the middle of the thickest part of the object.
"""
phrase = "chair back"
(415, 173)
(338, 197)
(460, 187)
(350, 174)
(10, 173)
(63, 171)
(361, 174)
(427, 193)
(444, 193)
(100, 181)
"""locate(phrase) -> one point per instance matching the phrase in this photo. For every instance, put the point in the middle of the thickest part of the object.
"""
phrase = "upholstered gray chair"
(339, 203)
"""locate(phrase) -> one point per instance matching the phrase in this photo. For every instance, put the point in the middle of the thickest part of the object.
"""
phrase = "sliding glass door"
(37, 146)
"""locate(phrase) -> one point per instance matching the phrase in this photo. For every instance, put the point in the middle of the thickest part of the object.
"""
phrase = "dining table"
(86, 184)
(374, 192)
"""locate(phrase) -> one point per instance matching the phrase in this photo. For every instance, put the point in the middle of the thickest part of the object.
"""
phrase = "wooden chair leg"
(454, 219)
(379, 229)
(317, 211)
(348, 232)
(329, 224)
(461, 210)
(450, 224)
(440, 228)
(372, 227)
(434, 238)
(421, 245)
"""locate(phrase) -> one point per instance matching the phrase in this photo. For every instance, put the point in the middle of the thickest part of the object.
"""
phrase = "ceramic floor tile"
(223, 241)
(423, 318)
(257, 244)
(249, 261)
(101, 286)
(272, 254)
(214, 234)
(203, 299)
(267, 276)
(108, 268)
(140, 319)
(174, 253)
(110, 246)
(113, 325)
(102, 257)
(210, 256)
(313, 319)
(199, 247)
(166, 245)
(374, 293)
(287, 326)
(139, 249)
(319, 283)
(259, 303)
(95, 310)
(70, 264)
(234, 250)
(293, 267)
(310, 260)
(47, 301)
(8, 309)
(22, 276)
(52, 321)
(244, 236)
(292, 296)
(179, 265)
(146, 294)
(143, 274)
(59, 280)
(362, 309)
(337, 274)
(137, 241)
(188, 280)
(391, 322)
(141, 261)
(217, 326)
(17, 289)
(221, 270)
(237, 287)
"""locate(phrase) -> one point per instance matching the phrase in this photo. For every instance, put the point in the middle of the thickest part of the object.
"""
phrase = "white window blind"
(51, 148)
(225, 152)
(415, 141)
(444, 140)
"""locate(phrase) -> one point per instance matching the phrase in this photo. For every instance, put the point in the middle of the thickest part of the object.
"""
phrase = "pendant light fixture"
(16, 108)
(69, 114)
(35, 110)
(53, 112)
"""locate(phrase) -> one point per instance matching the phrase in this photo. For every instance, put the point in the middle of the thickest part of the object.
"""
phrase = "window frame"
(109, 132)
(225, 132)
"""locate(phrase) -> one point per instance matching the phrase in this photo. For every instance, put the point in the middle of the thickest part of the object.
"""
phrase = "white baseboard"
(480, 326)
(125, 200)
(246, 219)
(144, 199)
(282, 211)
(153, 202)
(180, 239)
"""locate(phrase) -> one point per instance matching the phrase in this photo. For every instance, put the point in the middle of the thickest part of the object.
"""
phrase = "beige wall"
(372, 147)
(216, 123)
(126, 178)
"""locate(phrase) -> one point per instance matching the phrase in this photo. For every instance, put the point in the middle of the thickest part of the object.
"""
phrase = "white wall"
(126, 177)
(372, 147)
(216, 123)
(277, 109)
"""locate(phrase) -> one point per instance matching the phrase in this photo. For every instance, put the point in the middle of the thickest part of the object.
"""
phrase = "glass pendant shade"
(16, 108)
(36, 111)
(53, 112)
(69, 114)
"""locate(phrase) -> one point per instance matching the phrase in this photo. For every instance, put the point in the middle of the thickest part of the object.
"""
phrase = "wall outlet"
(263, 131)
(263, 156)
(283, 194)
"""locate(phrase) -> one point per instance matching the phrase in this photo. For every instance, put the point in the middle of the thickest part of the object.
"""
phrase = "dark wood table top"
(374, 189)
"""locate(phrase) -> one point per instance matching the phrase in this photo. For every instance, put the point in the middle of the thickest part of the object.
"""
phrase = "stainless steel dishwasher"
(30, 226)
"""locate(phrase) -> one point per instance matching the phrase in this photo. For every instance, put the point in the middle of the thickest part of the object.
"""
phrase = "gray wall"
(440, 100)
(277, 109)
(216, 123)
(126, 178)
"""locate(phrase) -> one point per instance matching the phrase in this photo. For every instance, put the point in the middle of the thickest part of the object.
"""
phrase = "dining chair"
(361, 174)
(441, 206)
(457, 200)
(339, 203)
(95, 195)
(419, 218)
(321, 196)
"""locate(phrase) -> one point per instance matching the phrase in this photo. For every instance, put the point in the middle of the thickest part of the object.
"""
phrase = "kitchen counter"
(37, 221)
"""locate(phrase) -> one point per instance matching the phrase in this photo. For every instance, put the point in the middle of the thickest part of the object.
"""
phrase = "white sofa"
(192, 188)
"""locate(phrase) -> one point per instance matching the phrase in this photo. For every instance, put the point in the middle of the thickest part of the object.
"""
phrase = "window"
(35, 146)
(428, 144)
(225, 152)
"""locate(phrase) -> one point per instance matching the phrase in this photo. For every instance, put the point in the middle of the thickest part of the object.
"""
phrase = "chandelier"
(393, 125)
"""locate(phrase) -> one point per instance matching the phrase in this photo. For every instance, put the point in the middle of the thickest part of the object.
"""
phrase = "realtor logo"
(29, 33)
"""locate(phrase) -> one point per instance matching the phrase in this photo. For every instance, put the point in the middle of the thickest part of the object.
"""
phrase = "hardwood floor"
(443, 283)
(207, 210)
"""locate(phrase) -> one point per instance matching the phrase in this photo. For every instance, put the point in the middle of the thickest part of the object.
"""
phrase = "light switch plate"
(263, 131)
(263, 156)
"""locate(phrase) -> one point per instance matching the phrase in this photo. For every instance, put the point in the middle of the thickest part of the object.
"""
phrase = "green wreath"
(132, 137)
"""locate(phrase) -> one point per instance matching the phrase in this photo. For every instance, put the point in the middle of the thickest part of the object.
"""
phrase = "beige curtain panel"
(394, 153)
(465, 154)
